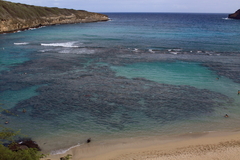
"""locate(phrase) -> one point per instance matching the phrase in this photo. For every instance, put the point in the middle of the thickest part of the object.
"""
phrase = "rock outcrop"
(24, 144)
(16, 16)
(235, 15)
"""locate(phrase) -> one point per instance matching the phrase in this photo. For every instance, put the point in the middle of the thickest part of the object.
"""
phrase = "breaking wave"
(22, 43)
(62, 151)
(66, 44)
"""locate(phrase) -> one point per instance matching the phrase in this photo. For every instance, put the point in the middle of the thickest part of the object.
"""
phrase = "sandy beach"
(194, 146)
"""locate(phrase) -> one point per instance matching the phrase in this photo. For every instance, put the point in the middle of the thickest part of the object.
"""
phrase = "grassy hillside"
(23, 11)
(21, 15)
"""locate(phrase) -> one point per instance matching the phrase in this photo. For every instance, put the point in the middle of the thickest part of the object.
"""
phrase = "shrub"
(67, 157)
(25, 154)
(7, 141)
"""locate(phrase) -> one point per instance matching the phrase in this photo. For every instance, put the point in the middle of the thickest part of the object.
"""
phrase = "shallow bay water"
(125, 78)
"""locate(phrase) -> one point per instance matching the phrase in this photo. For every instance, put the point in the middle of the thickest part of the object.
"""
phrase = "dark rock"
(235, 15)
(67, 157)
(23, 147)
(24, 144)
(17, 147)
(31, 144)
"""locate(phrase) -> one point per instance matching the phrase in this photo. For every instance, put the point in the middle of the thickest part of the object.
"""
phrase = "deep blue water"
(147, 73)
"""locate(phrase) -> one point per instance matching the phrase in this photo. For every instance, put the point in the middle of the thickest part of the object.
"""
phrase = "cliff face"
(16, 16)
(235, 15)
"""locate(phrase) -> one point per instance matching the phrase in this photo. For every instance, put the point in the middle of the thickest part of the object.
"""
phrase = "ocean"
(138, 75)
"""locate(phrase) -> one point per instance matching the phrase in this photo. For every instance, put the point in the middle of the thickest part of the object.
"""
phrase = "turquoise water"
(179, 73)
(12, 97)
(138, 75)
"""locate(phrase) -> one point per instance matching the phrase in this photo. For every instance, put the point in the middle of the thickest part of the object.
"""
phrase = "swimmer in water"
(88, 140)
(226, 115)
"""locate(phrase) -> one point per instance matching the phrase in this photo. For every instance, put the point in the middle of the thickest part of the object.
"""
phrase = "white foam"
(65, 51)
(150, 50)
(175, 50)
(77, 51)
(135, 50)
(44, 50)
(23, 43)
(62, 151)
(86, 51)
(41, 51)
(227, 18)
(32, 28)
(66, 44)
(178, 50)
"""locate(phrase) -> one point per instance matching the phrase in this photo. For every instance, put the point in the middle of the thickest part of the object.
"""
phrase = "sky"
(185, 6)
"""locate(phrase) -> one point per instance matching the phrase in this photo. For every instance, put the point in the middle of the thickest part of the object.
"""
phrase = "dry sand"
(204, 146)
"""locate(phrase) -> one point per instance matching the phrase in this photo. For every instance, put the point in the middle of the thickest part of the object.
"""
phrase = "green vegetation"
(67, 157)
(26, 154)
(9, 149)
(23, 11)
(7, 135)
(16, 16)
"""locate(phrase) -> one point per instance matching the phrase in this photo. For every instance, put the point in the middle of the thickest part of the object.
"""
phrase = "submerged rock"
(235, 15)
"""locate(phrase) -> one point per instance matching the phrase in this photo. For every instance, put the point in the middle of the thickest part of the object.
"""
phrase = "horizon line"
(171, 12)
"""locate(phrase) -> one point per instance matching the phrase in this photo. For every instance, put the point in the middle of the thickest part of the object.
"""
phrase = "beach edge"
(197, 146)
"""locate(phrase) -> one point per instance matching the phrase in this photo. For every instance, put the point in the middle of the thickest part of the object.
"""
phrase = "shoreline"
(47, 25)
(30, 16)
(199, 145)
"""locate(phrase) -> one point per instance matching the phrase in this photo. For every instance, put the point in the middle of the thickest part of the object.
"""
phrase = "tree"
(10, 149)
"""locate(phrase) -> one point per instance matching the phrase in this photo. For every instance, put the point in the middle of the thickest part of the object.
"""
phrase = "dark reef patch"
(79, 84)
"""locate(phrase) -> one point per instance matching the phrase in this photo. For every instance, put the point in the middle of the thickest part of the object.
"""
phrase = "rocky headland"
(235, 15)
(16, 16)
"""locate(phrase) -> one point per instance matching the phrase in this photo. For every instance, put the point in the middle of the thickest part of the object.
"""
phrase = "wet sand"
(194, 146)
